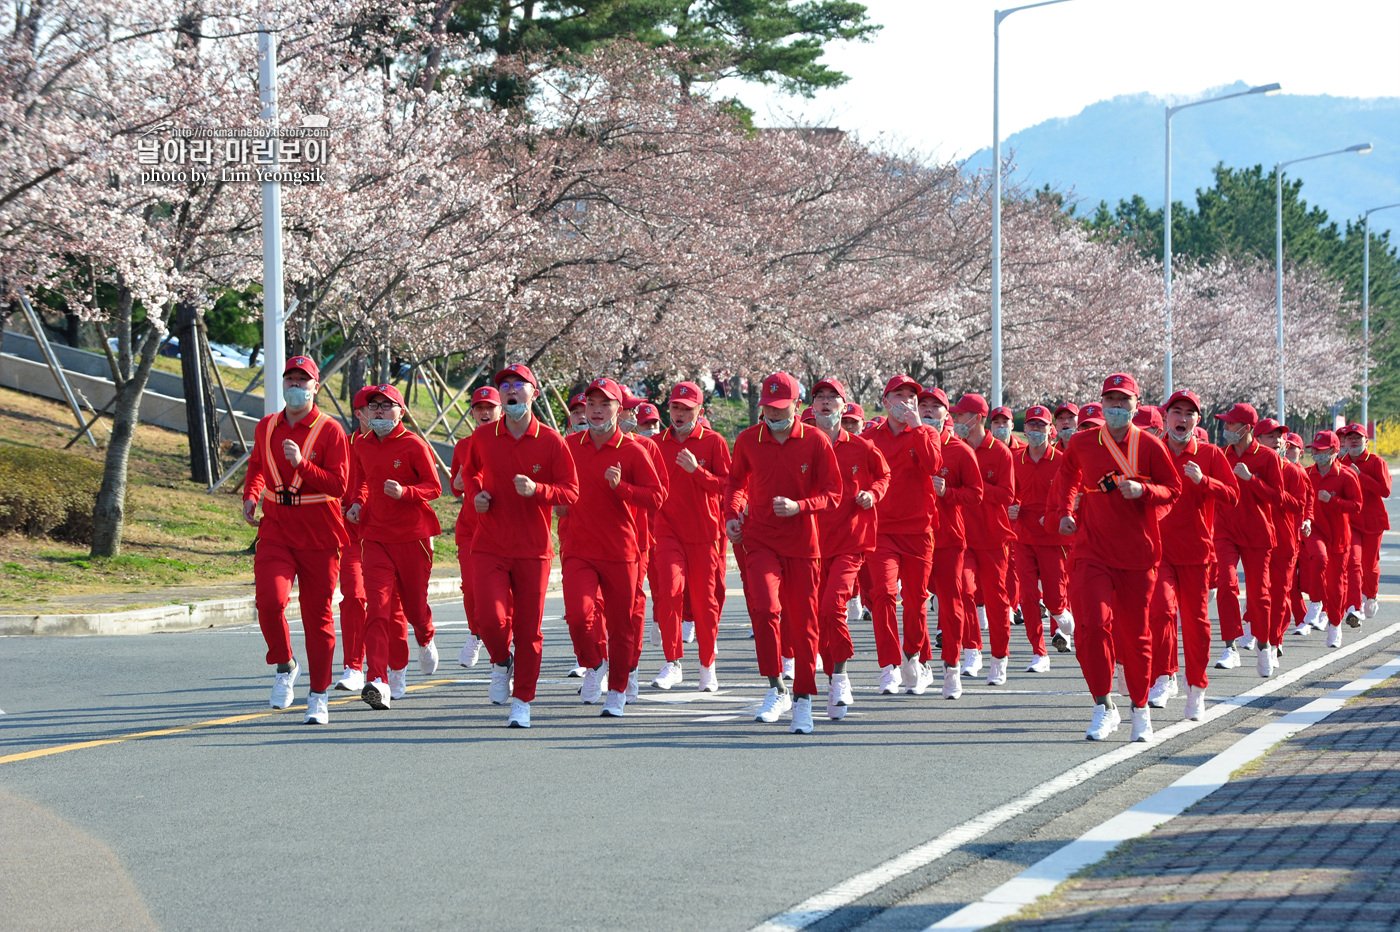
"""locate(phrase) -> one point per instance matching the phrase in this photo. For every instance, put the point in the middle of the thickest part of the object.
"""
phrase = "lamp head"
(1362, 148)
(1268, 90)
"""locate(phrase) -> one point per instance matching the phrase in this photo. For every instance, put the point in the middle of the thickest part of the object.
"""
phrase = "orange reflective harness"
(1127, 465)
(290, 494)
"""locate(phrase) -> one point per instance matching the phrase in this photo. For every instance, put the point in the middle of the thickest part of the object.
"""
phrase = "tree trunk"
(753, 401)
(198, 398)
(355, 373)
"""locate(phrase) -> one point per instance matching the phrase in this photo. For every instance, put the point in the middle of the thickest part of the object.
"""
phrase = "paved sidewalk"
(1308, 838)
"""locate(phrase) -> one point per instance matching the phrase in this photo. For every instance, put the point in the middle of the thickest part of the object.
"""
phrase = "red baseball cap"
(853, 410)
(647, 412)
(1002, 411)
(686, 393)
(1241, 414)
(1148, 417)
(809, 414)
(1268, 426)
(1090, 415)
(1068, 407)
(779, 388)
(833, 384)
(704, 422)
(971, 403)
(610, 388)
(1185, 395)
(1325, 440)
(577, 401)
(517, 371)
(361, 397)
(305, 364)
(629, 400)
(486, 394)
(388, 391)
(1038, 413)
(900, 381)
(1121, 382)
(1352, 429)
(1200, 434)
(1293, 440)
(935, 393)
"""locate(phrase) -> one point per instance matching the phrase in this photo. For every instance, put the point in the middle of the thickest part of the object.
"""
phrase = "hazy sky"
(926, 79)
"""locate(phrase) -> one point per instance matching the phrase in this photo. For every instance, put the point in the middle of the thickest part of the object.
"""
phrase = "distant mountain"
(1113, 149)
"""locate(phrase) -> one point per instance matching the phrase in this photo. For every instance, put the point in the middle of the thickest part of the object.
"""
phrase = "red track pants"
(677, 564)
(405, 566)
(1041, 568)
(945, 578)
(1363, 567)
(899, 566)
(1227, 590)
(1181, 591)
(1326, 580)
(986, 571)
(510, 597)
(838, 580)
(275, 565)
(1110, 623)
(1281, 563)
(778, 584)
(616, 582)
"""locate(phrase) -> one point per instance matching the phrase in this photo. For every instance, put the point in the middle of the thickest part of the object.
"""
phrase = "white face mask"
(297, 398)
(1001, 433)
(828, 421)
(1181, 436)
(516, 410)
(1117, 418)
(648, 432)
(605, 429)
(381, 425)
(778, 426)
(683, 430)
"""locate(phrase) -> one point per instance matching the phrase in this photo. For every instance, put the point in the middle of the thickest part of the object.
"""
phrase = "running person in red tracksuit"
(1042, 555)
(847, 535)
(518, 470)
(1291, 514)
(298, 469)
(485, 409)
(1188, 549)
(687, 529)
(578, 422)
(602, 553)
(398, 478)
(1000, 424)
(1128, 479)
(903, 556)
(1245, 533)
(1372, 472)
(1338, 496)
(352, 577)
(989, 533)
(643, 426)
(784, 473)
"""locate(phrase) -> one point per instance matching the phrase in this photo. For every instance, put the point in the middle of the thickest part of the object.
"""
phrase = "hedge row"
(46, 492)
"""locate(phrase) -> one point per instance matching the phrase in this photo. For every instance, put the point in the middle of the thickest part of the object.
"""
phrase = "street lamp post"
(997, 17)
(1366, 316)
(1266, 89)
(1360, 148)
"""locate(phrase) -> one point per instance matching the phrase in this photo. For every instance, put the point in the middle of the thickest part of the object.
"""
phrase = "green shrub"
(46, 492)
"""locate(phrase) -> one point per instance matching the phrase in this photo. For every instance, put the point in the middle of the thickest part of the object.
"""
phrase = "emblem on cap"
(773, 387)
(1117, 380)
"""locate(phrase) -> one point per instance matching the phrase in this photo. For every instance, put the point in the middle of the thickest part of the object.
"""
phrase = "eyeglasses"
(382, 405)
(517, 384)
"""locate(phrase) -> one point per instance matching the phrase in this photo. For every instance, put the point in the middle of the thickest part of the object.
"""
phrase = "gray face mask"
(683, 430)
(627, 424)
(603, 430)
(1037, 438)
(1323, 460)
(1002, 433)
(828, 421)
(381, 425)
(1066, 433)
(648, 432)
(516, 410)
(297, 398)
(778, 426)
(1117, 418)
(962, 430)
(935, 422)
(1231, 437)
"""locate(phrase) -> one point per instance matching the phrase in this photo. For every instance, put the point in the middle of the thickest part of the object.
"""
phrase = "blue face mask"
(1117, 418)
(297, 398)
(515, 410)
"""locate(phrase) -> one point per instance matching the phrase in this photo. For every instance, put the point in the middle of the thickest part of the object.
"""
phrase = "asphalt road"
(686, 814)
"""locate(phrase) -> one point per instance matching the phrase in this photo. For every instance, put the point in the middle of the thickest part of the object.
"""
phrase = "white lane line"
(816, 908)
(1042, 877)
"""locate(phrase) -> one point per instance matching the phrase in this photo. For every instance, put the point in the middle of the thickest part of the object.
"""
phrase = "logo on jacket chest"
(536, 468)
(804, 467)
(991, 474)
(398, 463)
(855, 469)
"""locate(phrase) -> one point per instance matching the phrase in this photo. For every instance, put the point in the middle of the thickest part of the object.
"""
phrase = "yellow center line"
(179, 729)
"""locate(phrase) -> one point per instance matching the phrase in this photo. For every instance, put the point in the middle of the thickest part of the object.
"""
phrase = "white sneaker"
(890, 680)
(709, 683)
(1195, 703)
(428, 657)
(1120, 682)
(952, 682)
(1334, 635)
(853, 611)
(1041, 664)
(909, 673)
(1301, 629)
(284, 686)
(972, 662)
(1370, 608)
(398, 683)
(774, 705)
(578, 672)
(1062, 642)
(1065, 620)
(820, 669)
(630, 693)
(654, 635)
(351, 680)
(1312, 615)
(789, 667)
(802, 716)
(1165, 688)
(670, 675)
(1265, 664)
(1352, 617)
(923, 679)
(688, 632)
(996, 673)
(470, 652)
(376, 694)
(499, 690)
(838, 696)
(1142, 725)
(519, 714)
(615, 706)
(1104, 723)
(1248, 642)
(316, 713)
(982, 617)
(595, 683)
(1229, 659)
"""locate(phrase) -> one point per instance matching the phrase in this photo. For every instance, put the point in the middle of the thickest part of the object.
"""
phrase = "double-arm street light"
(1266, 89)
(1360, 148)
